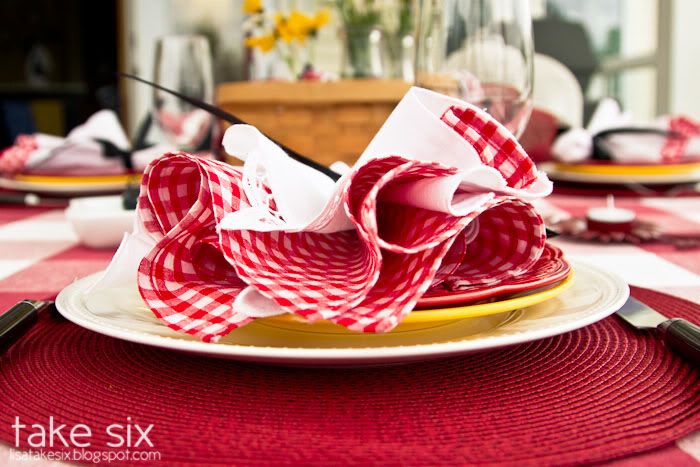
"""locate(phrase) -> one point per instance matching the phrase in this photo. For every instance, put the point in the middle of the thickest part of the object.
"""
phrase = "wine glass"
(480, 51)
(183, 63)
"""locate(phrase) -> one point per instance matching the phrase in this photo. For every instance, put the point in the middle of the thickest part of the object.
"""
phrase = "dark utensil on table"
(31, 199)
(16, 321)
(678, 334)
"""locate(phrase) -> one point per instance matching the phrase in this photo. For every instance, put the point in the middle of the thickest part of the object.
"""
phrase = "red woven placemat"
(595, 394)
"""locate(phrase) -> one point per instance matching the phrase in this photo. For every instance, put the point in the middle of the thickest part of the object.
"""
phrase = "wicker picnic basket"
(327, 121)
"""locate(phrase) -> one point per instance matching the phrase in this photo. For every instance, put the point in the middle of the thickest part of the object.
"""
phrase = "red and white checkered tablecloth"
(39, 255)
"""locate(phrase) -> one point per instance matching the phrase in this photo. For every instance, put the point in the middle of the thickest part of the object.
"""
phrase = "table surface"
(39, 255)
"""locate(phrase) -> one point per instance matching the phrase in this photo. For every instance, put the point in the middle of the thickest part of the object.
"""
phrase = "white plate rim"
(565, 176)
(65, 303)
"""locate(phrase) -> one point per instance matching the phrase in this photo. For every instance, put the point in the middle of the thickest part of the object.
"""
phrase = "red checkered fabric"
(496, 146)
(366, 279)
(674, 148)
(14, 158)
(461, 279)
(510, 241)
(186, 279)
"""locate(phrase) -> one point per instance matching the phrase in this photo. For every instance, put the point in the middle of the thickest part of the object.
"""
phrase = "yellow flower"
(321, 19)
(299, 22)
(296, 26)
(264, 43)
(252, 6)
(282, 29)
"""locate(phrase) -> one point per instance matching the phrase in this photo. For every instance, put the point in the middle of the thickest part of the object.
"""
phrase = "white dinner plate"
(605, 174)
(122, 314)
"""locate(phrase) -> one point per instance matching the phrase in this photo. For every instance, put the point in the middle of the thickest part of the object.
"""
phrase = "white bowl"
(100, 221)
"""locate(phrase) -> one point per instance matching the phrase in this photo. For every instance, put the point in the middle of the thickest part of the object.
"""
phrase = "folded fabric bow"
(97, 147)
(611, 135)
(229, 245)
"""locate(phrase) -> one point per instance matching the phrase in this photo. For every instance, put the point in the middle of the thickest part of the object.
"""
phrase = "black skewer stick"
(222, 114)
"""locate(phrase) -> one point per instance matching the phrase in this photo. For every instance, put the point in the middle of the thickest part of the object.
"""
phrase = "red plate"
(550, 268)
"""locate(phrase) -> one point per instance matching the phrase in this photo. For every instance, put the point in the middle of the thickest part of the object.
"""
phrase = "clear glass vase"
(365, 53)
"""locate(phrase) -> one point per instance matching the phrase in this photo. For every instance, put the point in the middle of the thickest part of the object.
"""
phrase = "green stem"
(289, 59)
(312, 51)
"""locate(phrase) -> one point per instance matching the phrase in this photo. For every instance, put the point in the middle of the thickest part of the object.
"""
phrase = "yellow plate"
(429, 318)
(623, 174)
(618, 169)
(79, 180)
(65, 185)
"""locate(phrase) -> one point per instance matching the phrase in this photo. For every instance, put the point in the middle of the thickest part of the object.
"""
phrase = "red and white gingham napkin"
(14, 158)
(232, 247)
(686, 144)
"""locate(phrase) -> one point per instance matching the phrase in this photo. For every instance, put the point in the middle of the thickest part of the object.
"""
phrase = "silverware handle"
(16, 321)
(683, 337)
(13, 198)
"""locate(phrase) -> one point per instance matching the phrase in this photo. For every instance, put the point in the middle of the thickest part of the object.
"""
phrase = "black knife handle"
(13, 198)
(683, 337)
(16, 321)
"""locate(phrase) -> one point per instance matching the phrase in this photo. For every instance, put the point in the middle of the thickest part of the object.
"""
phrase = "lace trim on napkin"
(254, 182)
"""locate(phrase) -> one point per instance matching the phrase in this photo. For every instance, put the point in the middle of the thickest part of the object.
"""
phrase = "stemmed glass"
(480, 51)
(184, 64)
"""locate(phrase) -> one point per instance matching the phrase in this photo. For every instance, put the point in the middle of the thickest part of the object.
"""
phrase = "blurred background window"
(60, 58)
(640, 52)
(617, 48)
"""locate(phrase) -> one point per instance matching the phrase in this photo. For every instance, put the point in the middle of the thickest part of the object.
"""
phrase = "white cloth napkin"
(576, 145)
(307, 200)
